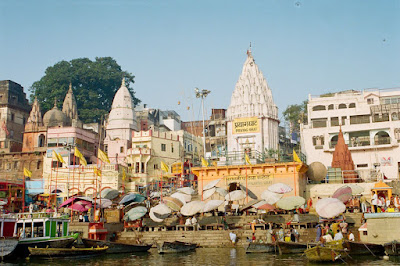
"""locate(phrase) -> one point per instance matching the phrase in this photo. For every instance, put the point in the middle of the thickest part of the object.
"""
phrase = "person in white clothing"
(374, 201)
(338, 236)
(351, 236)
(232, 236)
(188, 221)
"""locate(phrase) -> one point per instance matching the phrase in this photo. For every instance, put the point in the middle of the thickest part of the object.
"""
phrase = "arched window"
(381, 138)
(333, 141)
(352, 105)
(342, 106)
(41, 140)
(330, 107)
(319, 108)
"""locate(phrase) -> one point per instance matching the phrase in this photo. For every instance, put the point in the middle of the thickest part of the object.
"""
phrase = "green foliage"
(94, 84)
(295, 114)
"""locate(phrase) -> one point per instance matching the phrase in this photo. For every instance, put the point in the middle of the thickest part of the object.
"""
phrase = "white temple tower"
(252, 115)
(120, 125)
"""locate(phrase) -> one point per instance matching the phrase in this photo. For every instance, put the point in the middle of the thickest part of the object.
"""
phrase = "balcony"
(139, 151)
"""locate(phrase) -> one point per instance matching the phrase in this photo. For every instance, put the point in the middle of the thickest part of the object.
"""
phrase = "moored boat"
(323, 254)
(361, 248)
(392, 248)
(8, 243)
(66, 252)
(261, 248)
(116, 247)
(41, 230)
(293, 247)
(175, 247)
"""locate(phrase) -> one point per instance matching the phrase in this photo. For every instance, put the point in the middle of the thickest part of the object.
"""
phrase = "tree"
(94, 84)
(295, 113)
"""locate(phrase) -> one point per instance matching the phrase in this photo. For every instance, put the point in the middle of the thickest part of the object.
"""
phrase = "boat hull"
(115, 247)
(323, 254)
(66, 252)
(293, 247)
(175, 247)
(392, 248)
(261, 248)
(8, 247)
(54, 242)
(360, 248)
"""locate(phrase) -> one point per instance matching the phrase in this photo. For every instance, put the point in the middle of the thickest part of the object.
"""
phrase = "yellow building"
(149, 149)
(258, 176)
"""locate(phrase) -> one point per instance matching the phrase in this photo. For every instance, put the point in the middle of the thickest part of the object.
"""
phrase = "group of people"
(336, 231)
(380, 204)
(192, 221)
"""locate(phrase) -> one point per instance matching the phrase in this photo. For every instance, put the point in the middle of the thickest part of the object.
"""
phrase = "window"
(352, 105)
(344, 120)
(12, 117)
(155, 166)
(38, 164)
(172, 147)
(359, 119)
(395, 116)
(163, 147)
(121, 149)
(41, 140)
(318, 141)
(334, 141)
(342, 106)
(370, 101)
(397, 134)
(319, 108)
(334, 121)
(137, 167)
(380, 117)
(106, 149)
(330, 107)
(15, 165)
(142, 169)
(317, 123)
(364, 165)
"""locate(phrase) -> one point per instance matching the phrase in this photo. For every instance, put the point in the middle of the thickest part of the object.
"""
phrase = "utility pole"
(202, 94)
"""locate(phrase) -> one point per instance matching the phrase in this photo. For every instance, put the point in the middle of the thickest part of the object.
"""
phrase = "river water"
(202, 256)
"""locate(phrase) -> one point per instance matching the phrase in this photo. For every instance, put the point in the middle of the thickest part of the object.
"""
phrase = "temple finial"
(123, 82)
(249, 50)
(55, 102)
(70, 87)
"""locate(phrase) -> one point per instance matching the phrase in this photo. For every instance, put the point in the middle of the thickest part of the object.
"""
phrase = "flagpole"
(50, 181)
(161, 192)
(55, 201)
(23, 196)
(247, 192)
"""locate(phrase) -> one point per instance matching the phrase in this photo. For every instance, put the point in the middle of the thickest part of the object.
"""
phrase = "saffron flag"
(102, 156)
(27, 172)
(97, 171)
(123, 174)
(204, 162)
(247, 159)
(57, 157)
(82, 159)
(164, 167)
(295, 157)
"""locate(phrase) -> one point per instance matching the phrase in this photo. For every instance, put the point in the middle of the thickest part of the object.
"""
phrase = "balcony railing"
(382, 140)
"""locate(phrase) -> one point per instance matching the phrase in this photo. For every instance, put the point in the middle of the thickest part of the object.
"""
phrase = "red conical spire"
(342, 158)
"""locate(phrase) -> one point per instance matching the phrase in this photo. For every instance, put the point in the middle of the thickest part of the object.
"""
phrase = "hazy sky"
(302, 47)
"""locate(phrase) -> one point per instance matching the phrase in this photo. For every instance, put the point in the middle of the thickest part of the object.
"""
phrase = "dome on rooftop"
(54, 118)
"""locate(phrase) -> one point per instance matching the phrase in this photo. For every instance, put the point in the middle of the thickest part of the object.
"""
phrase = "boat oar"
(369, 250)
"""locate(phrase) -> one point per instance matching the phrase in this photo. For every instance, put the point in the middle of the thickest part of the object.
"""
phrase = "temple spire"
(70, 108)
(35, 116)
(123, 82)
(342, 159)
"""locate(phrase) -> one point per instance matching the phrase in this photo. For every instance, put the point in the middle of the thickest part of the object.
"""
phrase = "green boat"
(42, 230)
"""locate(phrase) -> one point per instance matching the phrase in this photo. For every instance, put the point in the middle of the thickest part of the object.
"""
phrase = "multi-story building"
(148, 150)
(14, 112)
(370, 123)
(216, 138)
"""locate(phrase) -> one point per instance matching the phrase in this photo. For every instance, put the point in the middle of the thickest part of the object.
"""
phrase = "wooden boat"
(116, 247)
(361, 248)
(175, 247)
(392, 248)
(42, 230)
(293, 247)
(66, 252)
(323, 254)
(261, 248)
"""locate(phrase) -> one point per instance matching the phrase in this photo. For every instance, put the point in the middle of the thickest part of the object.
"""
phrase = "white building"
(370, 124)
(252, 117)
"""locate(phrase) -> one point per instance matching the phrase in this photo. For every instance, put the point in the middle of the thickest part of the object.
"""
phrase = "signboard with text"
(245, 125)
